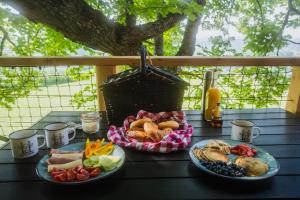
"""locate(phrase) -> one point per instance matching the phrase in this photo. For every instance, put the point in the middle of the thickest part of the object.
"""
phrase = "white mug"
(57, 134)
(242, 130)
(24, 143)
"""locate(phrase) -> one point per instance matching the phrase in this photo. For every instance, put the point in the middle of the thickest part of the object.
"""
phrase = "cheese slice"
(66, 165)
(115, 159)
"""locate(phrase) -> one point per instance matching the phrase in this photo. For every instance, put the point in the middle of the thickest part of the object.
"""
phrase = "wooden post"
(293, 103)
(102, 72)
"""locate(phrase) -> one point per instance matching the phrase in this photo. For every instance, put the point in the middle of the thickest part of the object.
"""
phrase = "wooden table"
(150, 175)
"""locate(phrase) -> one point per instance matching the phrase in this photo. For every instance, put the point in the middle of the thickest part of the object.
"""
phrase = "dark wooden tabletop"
(153, 175)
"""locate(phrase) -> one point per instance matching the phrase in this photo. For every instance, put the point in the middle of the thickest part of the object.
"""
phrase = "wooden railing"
(106, 66)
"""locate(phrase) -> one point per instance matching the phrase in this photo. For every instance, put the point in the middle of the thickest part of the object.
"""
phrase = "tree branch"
(280, 32)
(130, 18)
(75, 19)
(2, 45)
(286, 19)
(187, 47)
(261, 12)
(153, 29)
(295, 10)
(81, 23)
(291, 41)
(159, 42)
(6, 36)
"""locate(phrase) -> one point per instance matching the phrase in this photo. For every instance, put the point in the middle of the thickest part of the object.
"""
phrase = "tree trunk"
(159, 42)
(187, 47)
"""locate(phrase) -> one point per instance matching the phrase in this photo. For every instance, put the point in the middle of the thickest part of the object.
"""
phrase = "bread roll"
(139, 123)
(137, 134)
(168, 124)
(165, 132)
(155, 137)
(136, 129)
(150, 128)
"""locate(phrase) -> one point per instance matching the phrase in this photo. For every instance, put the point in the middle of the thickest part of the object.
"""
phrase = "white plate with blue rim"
(42, 166)
(260, 154)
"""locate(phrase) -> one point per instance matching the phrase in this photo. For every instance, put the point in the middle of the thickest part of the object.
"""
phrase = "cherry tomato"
(70, 175)
(81, 177)
(74, 171)
(89, 169)
(83, 171)
(95, 172)
(78, 168)
(61, 177)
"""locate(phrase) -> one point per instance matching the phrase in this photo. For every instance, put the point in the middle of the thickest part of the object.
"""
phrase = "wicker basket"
(145, 88)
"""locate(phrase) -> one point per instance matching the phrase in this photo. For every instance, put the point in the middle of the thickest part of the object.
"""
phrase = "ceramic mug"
(24, 143)
(243, 130)
(57, 134)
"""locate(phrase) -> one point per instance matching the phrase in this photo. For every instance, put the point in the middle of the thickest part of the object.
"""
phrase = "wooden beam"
(101, 75)
(165, 61)
(293, 103)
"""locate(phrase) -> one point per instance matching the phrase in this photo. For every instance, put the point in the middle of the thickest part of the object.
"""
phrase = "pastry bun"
(168, 124)
(139, 122)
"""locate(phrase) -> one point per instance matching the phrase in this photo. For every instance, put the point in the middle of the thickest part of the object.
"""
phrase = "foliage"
(145, 10)
(16, 82)
(260, 87)
(3, 138)
(262, 23)
(89, 92)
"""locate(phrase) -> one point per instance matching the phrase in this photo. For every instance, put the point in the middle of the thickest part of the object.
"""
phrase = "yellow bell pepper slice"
(97, 148)
(87, 151)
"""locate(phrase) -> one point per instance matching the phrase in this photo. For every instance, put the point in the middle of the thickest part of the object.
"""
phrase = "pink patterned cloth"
(177, 140)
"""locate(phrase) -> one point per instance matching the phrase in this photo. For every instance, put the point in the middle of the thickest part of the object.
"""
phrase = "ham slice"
(54, 160)
(56, 151)
(64, 159)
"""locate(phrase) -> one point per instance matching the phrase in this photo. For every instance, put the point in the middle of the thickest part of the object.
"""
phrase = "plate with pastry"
(162, 132)
(80, 163)
(232, 159)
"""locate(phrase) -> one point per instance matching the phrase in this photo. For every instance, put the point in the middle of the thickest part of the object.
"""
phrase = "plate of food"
(81, 162)
(233, 160)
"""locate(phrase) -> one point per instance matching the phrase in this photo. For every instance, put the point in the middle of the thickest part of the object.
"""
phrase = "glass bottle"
(208, 79)
(213, 97)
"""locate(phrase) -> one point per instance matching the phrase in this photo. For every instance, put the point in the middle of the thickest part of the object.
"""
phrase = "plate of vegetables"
(82, 162)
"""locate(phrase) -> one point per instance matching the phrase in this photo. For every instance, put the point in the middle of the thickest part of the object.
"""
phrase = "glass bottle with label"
(213, 98)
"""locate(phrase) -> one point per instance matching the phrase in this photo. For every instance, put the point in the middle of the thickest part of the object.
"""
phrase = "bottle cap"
(208, 75)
